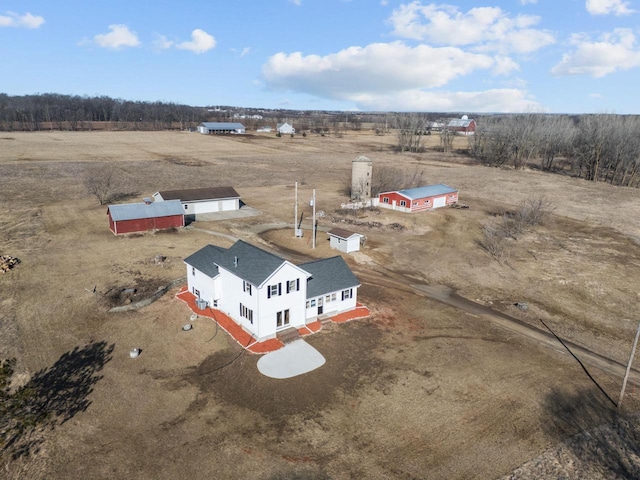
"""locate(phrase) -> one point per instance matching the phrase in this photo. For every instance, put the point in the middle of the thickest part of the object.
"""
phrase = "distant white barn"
(220, 128)
(285, 128)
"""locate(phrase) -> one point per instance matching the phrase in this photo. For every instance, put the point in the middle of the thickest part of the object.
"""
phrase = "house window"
(246, 287)
(196, 292)
(308, 303)
(415, 204)
(246, 313)
(403, 203)
(327, 299)
(193, 270)
(274, 290)
(385, 199)
(282, 318)
(313, 303)
(215, 303)
(333, 297)
(186, 207)
(293, 285)
(346, 294)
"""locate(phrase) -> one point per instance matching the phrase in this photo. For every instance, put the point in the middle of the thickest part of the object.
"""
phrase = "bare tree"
(99, 182)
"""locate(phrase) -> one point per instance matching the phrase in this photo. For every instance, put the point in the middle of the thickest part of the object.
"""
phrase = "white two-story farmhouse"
(264, 293)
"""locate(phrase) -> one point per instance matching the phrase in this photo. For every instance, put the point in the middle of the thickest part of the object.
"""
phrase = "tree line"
(52, 111)
(596, 147)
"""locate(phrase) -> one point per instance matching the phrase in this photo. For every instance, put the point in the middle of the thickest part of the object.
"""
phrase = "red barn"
(462, 126)
(419, 198)
(140, 217)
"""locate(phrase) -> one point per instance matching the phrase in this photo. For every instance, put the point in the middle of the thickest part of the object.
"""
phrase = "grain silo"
(361, 171)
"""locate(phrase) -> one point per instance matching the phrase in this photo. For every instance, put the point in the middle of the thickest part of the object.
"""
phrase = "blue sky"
(562, 56)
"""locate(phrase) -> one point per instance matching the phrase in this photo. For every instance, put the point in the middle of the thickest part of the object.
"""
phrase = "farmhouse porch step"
(288, 335)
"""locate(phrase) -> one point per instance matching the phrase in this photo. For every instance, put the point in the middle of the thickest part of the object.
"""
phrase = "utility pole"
(626, 374)
(313, 230)
(295, 214)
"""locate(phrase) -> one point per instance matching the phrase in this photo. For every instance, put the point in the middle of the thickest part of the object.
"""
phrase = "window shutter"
(297, 284)
(343, 295)
(287, 287)
(279, 288)
(268, 291)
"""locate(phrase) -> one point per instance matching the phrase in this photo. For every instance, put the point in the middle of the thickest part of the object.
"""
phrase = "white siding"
(332, 307)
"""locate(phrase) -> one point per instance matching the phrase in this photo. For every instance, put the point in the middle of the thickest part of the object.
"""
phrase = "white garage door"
(439, 202)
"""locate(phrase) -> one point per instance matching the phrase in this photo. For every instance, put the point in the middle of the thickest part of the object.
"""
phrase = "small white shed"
(344, 240)
(285, 128)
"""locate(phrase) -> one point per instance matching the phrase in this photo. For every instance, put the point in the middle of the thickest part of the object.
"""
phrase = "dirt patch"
(351, 364)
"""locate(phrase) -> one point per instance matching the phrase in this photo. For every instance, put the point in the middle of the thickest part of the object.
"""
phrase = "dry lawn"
(419, 390)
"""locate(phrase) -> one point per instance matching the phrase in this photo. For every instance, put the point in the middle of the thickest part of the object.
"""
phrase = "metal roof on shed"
(426, 191)
(195, 194)
(223, 125)
(134, 211)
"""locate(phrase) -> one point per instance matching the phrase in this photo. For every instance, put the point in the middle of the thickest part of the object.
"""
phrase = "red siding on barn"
(391, 196)
(144, 224)
(419, 204)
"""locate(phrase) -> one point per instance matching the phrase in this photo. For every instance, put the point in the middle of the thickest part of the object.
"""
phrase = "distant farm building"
(196, 201)
(285, 128)
(361, 171)
(220, 128)
(420, 198)
(462, 126)
(141, 217)
(344, 240)
(264, 129)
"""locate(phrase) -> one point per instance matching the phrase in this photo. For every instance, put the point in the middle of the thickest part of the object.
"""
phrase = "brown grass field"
(418, 390)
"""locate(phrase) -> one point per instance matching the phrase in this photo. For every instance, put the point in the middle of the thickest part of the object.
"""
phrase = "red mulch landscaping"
(245, 339)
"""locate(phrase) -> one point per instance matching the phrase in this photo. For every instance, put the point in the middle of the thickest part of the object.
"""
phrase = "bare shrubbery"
(529, 214)
(107, 184)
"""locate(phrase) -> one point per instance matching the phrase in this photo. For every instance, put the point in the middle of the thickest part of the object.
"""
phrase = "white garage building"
(221, 128)
(197, 201)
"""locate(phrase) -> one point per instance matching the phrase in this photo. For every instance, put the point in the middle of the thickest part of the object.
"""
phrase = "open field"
(419, 390)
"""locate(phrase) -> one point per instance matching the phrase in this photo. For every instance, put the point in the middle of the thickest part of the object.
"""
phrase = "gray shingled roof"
(134, 211)
(253, 264)
(206, 259)
(342, 233)
(329, 275)
(195, 194)
(427, 191)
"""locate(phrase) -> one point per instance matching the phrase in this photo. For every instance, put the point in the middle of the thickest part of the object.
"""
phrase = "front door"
(282, 318)
(320, 309)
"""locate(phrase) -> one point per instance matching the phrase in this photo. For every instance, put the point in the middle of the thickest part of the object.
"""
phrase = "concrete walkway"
(295, 358)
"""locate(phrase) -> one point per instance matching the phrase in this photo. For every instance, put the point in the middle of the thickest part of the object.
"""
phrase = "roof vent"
(235, 262)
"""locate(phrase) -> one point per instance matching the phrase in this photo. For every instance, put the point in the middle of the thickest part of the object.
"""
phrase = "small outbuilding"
(344, 240)
(221, 128)
(142, 217)
(420, 198)
(196, 201)
(285, 128)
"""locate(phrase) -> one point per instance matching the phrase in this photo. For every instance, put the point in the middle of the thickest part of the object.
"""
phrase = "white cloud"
(200, 42)
(161, 42)
(528, 2)
(12, 19)
(608, 7)
(615, 51)
(498, 100)
(296, 2)
(595, 95)
(245, 51)
(384, 3)
(119, 36)
(378, 73)
(481, 28)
